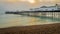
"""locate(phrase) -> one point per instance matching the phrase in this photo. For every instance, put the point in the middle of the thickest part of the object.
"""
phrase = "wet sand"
(34, 29)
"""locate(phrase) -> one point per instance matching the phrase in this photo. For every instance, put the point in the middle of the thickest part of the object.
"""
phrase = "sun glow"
(30, 1)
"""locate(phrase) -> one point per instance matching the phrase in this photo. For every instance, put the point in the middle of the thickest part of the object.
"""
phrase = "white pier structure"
(47, 8)
(47, 14)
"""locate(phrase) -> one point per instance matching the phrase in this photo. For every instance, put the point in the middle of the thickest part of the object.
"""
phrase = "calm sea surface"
(9, 20)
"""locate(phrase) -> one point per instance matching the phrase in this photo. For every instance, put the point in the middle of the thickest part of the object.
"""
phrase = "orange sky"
(31, 1)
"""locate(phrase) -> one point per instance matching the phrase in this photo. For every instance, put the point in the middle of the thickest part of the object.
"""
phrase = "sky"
(13, 5)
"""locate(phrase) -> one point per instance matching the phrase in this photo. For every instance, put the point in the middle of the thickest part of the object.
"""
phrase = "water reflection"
(18, 20)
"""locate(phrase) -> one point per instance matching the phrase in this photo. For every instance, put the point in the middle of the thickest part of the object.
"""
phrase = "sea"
(12, 20)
